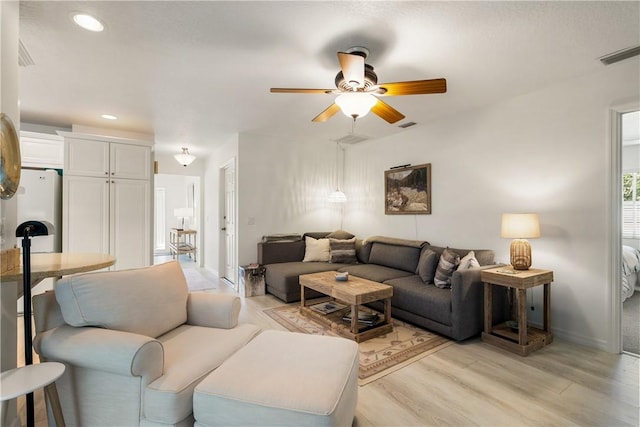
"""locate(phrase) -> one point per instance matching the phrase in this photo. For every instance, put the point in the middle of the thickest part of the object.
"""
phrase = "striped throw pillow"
(343, 251)
(449, 260)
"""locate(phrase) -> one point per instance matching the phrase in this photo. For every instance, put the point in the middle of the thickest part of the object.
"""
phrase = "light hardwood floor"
(473, 383)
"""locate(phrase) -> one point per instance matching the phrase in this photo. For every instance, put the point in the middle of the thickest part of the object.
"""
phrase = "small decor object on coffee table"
(516, 335)
(342, 277)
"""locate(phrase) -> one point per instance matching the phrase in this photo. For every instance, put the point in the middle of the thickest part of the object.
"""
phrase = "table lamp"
(26, 230)
(183, 213)
(520, 227)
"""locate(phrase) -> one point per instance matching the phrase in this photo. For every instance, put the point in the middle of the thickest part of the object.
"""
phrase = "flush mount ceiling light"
(109, 117)
(87, 22)
(356, 104)
(185, 158)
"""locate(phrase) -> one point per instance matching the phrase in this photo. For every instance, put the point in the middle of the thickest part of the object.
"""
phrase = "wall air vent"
(407, 125)
(24, 58)
(351, 139)
(620, 55)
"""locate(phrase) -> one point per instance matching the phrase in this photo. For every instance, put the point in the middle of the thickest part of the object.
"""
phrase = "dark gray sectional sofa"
(456, 312)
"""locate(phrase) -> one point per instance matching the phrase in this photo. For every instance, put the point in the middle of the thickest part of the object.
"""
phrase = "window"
(631, 205)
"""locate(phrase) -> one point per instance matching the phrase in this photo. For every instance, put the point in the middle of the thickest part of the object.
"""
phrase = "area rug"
(379, 356)
(196, 281)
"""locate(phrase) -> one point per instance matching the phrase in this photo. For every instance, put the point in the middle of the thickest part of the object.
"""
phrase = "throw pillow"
(316, 250)
(343, 251)
(468, 261)
(427, 265)
(449, 260)
(340, 235)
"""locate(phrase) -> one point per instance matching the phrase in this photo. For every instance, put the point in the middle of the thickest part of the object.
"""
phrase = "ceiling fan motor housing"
(370, 80)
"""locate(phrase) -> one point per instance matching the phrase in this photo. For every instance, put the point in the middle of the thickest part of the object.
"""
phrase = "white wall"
(546, 152)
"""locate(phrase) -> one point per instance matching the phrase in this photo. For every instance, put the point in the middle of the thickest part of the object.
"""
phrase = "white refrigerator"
(40, 199)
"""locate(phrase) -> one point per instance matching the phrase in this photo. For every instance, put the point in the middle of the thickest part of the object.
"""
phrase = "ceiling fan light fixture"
(356, 104)
(184, 158)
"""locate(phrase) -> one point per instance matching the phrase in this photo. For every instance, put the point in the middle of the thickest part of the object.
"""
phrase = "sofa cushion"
(340, 235)
(413, 295)
(394, 256)
(468, 261)
(316, 250)
(343, 251)
(147, 301)
(484, 256)
(190, 354)
(447, 264)
(427, 265)
(377, 273)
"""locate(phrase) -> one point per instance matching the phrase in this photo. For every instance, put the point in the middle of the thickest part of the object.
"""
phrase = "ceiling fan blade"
(326, 114)
(352, 69)
(386, 112)
(293, 90)
(415, 87)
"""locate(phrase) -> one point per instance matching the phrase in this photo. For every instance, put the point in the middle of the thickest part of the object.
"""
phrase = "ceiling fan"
(358, 89)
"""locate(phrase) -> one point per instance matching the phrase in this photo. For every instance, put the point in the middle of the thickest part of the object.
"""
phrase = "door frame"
(615, 224)
(222, 207)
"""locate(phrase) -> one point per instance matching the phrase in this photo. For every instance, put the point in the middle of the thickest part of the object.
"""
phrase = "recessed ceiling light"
(88, 22)
(109, 117)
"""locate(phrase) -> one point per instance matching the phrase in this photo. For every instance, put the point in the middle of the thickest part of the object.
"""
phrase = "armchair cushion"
(147, 301)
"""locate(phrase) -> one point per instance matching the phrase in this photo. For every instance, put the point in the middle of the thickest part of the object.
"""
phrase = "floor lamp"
(26, 230)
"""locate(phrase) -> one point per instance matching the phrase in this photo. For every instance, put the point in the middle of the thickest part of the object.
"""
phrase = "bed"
(630, 270)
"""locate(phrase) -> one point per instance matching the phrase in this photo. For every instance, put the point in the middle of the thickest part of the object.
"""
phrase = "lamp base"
(520, 254)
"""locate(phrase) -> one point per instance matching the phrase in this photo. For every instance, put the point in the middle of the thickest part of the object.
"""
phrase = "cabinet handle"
(113, 182)
(106, 173)
(113, 173)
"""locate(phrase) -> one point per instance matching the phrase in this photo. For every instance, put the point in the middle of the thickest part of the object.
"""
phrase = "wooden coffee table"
(354, 292)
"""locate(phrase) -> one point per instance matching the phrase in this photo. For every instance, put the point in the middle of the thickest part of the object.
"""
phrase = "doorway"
(228, 232)
(629, 143)
(177, 205)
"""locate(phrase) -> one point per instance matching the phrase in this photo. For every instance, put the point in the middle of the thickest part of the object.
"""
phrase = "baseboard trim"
(574, 338)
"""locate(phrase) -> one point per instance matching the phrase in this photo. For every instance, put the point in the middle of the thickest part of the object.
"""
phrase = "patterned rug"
(378, 356)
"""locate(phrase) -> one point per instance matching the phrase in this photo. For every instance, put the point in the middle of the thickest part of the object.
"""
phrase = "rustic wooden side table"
(515, 337)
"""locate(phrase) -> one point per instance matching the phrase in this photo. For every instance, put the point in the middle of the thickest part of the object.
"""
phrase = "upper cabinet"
(87, 156)
(41, 150)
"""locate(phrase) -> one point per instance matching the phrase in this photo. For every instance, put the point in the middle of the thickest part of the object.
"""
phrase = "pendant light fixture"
(338, 196)
(185, 158)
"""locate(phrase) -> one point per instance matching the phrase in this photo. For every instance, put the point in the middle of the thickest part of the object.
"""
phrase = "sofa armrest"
(467, 302)
(122, 353)
(213, 310)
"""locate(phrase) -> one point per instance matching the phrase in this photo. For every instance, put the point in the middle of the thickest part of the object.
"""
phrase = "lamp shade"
(520, 226)
(183, 212)
(337, 197)
(356, 104)
(184, 158)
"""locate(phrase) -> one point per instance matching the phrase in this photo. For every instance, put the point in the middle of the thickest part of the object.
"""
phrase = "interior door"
(229, 224)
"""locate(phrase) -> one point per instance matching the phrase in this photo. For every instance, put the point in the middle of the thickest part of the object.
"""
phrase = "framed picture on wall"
(408, 190)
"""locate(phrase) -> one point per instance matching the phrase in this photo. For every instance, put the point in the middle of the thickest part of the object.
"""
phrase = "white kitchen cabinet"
(41, 150)
(107, 199)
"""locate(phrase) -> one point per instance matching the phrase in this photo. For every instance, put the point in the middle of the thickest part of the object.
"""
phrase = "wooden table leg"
(522, 317)
(488, 308)
(354, 318)
(302, 302)
(547, 308)
(52, 394)
(387, 311)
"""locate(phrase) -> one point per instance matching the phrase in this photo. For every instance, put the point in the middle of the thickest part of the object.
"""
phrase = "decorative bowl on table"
(512, 324)
(342, 277)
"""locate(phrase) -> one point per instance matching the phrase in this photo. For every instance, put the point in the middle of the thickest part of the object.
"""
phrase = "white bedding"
(630, 270)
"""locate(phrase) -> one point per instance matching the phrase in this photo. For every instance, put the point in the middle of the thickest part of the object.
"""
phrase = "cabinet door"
(41, 150)
(85, 218)
(130, 161)
(86, 157)
(130, 223)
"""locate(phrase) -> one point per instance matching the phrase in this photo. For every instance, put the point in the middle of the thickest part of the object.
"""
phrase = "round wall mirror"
(9, 158)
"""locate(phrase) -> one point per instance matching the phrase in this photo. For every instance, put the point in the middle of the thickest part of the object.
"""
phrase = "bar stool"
(26, 379)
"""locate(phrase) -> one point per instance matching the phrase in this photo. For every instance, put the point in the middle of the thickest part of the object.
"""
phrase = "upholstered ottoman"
(282, 379)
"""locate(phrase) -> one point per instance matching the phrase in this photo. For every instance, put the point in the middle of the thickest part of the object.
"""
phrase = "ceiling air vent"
(620, 55)
(24, 58)
(351, 139)
(407, 125)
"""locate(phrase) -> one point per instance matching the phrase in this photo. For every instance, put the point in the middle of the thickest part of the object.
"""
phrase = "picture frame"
(407, 190)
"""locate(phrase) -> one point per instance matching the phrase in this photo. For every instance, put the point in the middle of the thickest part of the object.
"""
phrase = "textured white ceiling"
(193, 73)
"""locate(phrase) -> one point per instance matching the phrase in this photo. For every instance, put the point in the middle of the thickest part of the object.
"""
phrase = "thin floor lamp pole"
(26, 294)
